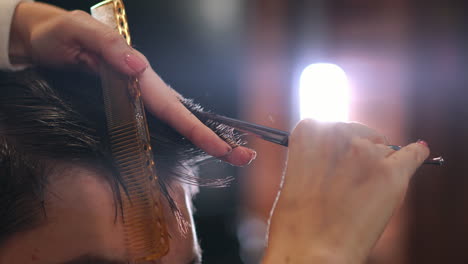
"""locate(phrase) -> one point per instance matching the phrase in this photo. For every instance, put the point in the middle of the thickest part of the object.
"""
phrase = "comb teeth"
(146, 235)
(141, 207)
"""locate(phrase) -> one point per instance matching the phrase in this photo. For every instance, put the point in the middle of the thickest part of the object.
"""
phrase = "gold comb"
(145, 230)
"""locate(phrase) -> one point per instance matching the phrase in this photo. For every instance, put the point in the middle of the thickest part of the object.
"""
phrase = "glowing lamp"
(324, 93)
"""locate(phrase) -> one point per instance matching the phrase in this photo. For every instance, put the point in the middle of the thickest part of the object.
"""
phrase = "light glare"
(324, 93)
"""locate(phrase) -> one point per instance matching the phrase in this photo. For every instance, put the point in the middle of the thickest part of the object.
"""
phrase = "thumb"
(409, 158)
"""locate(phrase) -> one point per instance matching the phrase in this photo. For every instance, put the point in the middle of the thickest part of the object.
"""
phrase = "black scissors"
(275, 135)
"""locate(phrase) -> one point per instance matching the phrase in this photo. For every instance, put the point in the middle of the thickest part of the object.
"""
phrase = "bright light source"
(324, 93)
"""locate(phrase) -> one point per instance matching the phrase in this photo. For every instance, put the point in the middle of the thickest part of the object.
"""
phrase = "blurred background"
(396, 65)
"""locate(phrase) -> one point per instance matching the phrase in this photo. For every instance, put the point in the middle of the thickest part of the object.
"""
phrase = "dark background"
(407, 61)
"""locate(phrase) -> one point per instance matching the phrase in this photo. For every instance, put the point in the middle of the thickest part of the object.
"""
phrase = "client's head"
(59, 191)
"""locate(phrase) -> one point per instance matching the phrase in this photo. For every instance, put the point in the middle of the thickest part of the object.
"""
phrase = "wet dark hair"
(48, 116)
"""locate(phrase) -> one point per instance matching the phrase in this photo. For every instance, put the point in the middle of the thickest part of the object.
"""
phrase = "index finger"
(165, 104)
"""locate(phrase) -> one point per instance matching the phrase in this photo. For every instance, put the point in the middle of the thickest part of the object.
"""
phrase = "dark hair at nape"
(53, 115)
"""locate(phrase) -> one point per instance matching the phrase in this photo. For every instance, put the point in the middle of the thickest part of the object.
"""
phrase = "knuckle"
(111, 37)
(358, 125)
(303, 128)
(63, 22)
(341, 129)
(306, 124)
(364, 151)
(358, 146)
(192, 131)
(342, 126)
(336, 126)
(356, 143)
(78, 14)
(306, 135)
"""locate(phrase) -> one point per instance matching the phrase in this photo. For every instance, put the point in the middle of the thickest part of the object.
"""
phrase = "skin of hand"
(46, 35)
(341, 186)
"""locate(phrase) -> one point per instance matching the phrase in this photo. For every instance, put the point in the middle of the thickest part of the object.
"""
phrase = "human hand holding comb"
(49, 36)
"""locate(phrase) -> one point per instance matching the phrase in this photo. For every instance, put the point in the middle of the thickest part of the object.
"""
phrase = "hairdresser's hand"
(49, 36)
(341, 186)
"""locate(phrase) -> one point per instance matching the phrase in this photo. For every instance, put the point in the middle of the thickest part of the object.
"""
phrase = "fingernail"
(422, 142)
(245, 160)
(137, 64)
(253, 155)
